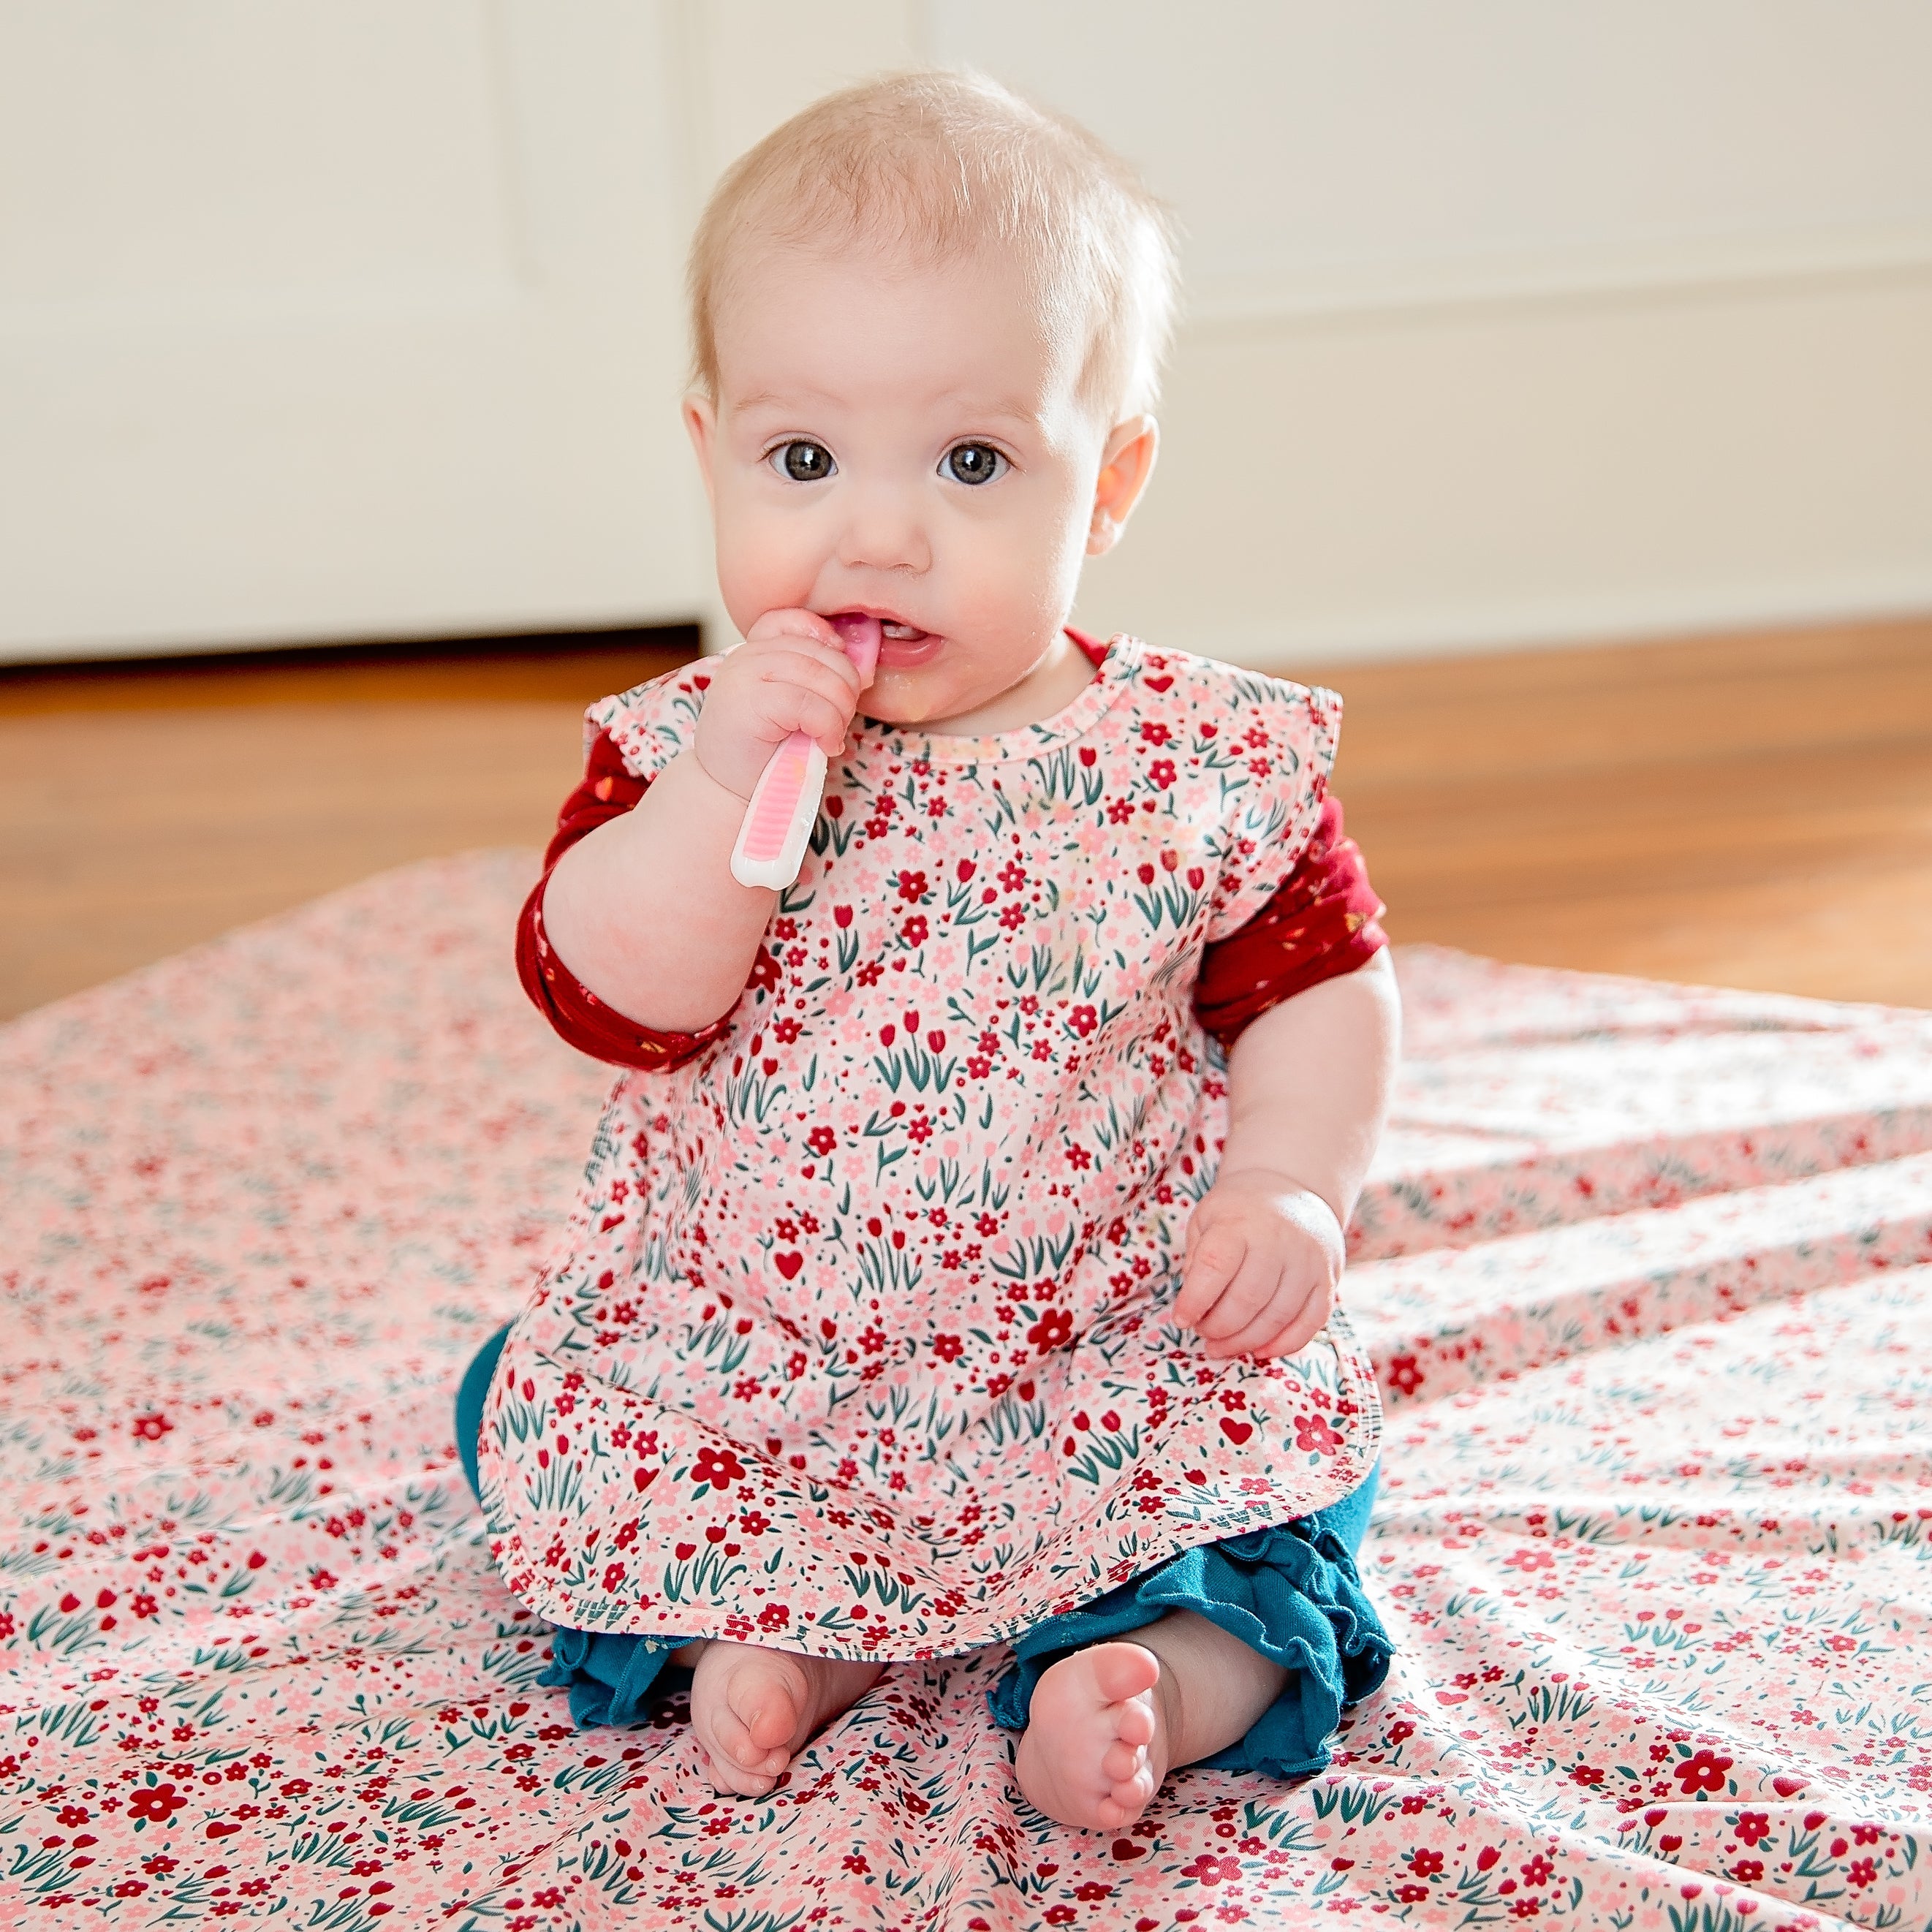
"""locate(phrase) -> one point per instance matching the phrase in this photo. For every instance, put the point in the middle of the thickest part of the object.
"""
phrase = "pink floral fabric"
(1644, 1269)
(856, 1344)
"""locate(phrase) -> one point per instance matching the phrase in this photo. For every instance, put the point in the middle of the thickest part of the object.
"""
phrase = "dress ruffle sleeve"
(654, 722)
(1321, 922)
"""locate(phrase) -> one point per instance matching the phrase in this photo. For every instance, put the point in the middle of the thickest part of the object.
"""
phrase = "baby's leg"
(1106, 1723)
(752, 1709)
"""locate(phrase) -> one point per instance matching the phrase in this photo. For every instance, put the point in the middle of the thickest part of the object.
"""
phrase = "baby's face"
(904, 440)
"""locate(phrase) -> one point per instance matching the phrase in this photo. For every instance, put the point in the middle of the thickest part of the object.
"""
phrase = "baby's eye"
(803, 462)
(973, 462)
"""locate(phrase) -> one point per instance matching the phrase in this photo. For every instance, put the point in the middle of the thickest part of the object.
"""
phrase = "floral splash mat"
(1647, 1273)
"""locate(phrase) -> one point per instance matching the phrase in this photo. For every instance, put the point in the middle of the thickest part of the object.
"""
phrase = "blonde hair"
(944, 164)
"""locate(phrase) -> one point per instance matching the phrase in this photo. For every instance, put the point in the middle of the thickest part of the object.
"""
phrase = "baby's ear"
(701, 424)
(1127, 462)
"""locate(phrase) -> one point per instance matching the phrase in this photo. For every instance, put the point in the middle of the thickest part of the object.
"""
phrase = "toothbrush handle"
(777, 823)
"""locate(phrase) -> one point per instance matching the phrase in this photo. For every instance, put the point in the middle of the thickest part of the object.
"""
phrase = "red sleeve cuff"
(609, 789)
(1320, 924)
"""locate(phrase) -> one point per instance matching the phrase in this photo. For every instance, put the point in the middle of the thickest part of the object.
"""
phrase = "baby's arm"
(1308, 1087)
(644, 911)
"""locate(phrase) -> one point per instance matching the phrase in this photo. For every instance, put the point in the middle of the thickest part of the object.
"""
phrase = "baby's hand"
(1264, 1257)
(791, 674)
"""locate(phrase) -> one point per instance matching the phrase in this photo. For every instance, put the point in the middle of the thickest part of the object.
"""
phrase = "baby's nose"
(884, 530)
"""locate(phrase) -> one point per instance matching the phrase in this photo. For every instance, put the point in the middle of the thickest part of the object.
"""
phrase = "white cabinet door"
(343, 320)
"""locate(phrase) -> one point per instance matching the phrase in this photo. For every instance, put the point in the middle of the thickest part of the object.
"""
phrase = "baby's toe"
(1122, 1761)
(765, 1714)
(1123, 1670)
(1133, 1722)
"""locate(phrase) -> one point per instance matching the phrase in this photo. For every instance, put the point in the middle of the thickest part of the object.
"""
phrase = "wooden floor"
(1752, 811)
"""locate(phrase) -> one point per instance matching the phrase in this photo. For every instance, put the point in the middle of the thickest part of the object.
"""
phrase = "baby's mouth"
(901, 633)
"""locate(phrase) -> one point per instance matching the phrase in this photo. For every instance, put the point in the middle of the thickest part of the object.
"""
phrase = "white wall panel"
(1510, 323)
(338, 322)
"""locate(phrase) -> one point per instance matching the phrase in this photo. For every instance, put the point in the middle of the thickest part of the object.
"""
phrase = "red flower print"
(1748, 1871)
(1012, 876)
(1312, 1433)
(1162, 772)
(1537, 1870)
(1404, 1376)
(1528, 1559)
(155, 1804)
(1156, 732)
(1424, 1863)
(1753, 1826)
(1208, 1869)
(821, 1140)
(1083, 1020)
(912, 887)
(914, 930)
(1704, 1772)
(1411, 1895)
(1013, 917)
(718, 1467)
(151, 1428)
(1054, 1330)
(774, 1616)
(947, 1348)
(1860, 1872)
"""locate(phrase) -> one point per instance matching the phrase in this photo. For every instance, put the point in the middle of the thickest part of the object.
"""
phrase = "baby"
(935, 1283)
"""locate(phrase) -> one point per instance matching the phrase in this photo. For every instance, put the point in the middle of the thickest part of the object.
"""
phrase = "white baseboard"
(1371, 638)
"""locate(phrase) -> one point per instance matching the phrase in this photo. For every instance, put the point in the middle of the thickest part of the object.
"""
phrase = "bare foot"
(752, 1709)
(1095, 1748)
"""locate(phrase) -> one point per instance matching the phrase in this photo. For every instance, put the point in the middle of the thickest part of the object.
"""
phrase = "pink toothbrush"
(784, 807)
